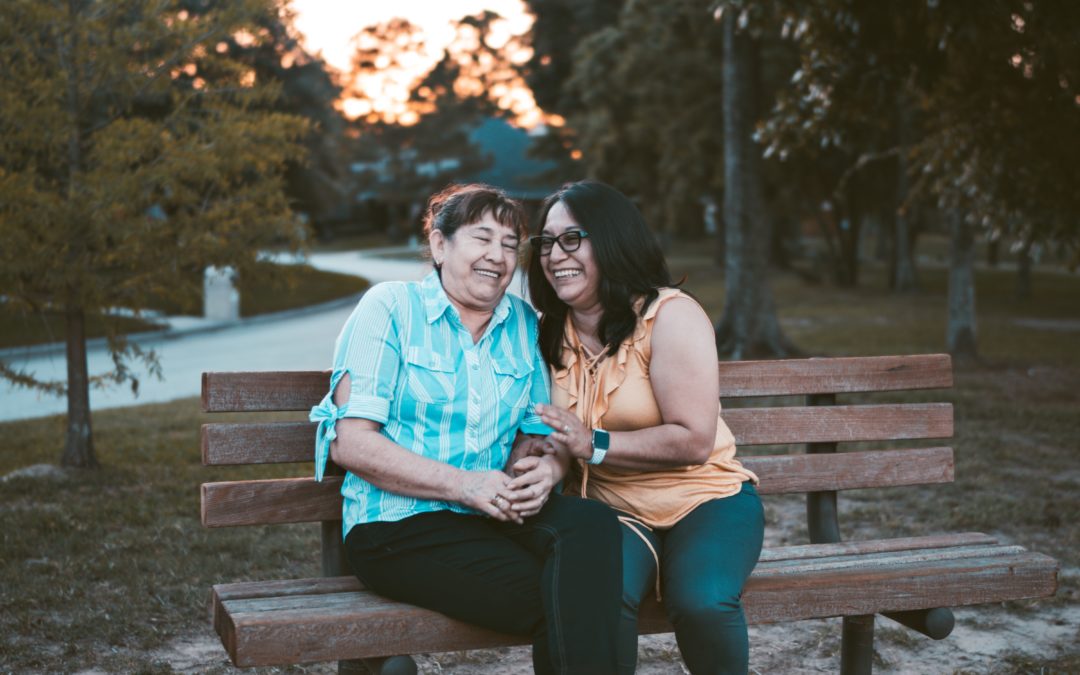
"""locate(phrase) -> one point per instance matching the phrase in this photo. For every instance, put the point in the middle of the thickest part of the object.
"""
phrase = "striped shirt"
(414, 369)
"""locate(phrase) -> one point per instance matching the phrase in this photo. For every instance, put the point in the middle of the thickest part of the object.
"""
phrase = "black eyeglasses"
(568, 241)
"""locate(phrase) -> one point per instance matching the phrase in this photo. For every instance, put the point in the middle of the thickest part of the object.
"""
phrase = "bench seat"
(331, 618)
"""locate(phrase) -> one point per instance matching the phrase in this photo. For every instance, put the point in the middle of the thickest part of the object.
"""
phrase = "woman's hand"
(535, 478)
(489, 492)
(570, 434)
(527, 446)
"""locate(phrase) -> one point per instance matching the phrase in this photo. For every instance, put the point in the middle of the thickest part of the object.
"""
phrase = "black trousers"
(556, 578)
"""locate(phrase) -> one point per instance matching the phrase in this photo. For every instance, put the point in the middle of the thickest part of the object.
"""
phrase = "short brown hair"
(459, 205)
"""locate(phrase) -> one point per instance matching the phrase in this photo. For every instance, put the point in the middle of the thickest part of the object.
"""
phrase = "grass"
(106, 569)
(275, 288)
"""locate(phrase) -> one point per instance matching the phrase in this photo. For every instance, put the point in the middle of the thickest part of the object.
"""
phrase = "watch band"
(601, 441)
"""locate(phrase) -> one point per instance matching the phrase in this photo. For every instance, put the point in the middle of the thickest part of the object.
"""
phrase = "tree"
(136, 151)
(318, 185)
(412, 152)
(982, 100)
(749, 325)
(650, 116)
(559, 27)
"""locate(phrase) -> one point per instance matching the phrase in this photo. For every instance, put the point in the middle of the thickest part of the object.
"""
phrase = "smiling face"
(477, 262)
(575, 276)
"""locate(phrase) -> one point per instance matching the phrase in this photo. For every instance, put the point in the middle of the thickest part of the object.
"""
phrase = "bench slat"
(279, 442)
(300, 390)
(301, 627)
(298, 500)
(839, 423)
(835, 375)
(263, 390)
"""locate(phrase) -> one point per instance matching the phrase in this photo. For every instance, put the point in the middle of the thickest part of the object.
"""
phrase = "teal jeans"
(705, 560)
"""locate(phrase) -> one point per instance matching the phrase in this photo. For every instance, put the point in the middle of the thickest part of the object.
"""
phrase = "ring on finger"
(496, 500)
(566, 428)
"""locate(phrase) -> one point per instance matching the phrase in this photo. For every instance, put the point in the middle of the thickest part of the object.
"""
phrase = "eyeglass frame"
(538, 241)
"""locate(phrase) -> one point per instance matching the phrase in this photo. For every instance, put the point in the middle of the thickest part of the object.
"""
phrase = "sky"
(328, 27)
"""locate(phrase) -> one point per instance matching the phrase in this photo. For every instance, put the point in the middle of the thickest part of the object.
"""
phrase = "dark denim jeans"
(556, 578)
(705, 560)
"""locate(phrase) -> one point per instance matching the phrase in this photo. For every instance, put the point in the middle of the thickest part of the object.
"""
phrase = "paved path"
(296, 340)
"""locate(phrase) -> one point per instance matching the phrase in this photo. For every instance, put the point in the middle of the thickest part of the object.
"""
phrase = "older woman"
(434, 383)
(636, 402)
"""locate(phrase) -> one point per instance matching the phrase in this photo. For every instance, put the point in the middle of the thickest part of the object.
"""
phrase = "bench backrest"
(818, 421)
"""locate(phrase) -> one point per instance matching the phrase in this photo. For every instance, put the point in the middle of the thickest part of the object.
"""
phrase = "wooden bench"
(911, 580)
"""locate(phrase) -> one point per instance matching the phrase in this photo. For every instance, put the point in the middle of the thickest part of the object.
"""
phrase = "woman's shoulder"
(675, 300)
(391, 291)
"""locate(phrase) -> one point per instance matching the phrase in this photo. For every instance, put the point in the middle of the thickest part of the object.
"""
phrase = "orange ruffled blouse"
(614, 393)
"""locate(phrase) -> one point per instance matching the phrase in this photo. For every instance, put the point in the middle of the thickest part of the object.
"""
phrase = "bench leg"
(857, 645)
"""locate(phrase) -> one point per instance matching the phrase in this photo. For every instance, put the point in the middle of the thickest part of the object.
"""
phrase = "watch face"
(601, 439)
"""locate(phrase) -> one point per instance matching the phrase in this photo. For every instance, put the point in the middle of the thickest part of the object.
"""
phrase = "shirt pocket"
(429, 376)
(513, 379)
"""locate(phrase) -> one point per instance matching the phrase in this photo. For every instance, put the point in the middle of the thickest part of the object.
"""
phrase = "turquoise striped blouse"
(413, 368)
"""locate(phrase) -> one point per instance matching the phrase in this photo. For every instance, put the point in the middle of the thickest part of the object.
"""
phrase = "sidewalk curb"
(53, 348)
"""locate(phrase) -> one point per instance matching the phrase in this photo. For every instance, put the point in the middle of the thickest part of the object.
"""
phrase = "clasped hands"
(519, 492)
(532, 470)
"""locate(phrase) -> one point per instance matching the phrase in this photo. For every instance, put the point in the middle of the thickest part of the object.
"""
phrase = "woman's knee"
(705, 609)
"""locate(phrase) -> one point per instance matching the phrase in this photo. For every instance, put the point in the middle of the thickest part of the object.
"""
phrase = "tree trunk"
(79, 445)
(904, 279)
(1023, 270)
(749, 326)
(79, 448)
(960, 334)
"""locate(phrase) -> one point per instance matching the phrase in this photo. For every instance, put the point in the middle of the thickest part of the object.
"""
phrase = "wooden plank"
(938, 541)
(259, 443)
(278, 442)
(856, 591)
(358, 624)
(839, 423)
(272, 501)
(784, 474)
(300, 390)
(265, 391)
(245, 590)
(835, 375)
(300, 500)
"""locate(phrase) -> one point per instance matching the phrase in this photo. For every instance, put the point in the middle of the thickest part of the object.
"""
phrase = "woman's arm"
(685, 381)
(361, 449)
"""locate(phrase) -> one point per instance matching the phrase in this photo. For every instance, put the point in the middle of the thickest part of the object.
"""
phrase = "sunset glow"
(330, 29)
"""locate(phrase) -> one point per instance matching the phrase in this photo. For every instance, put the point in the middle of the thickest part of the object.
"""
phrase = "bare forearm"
(390, 467)
(660, 447)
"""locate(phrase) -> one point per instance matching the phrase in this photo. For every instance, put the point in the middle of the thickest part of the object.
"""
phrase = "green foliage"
(134, 150)
(992, 91)
(649, 116)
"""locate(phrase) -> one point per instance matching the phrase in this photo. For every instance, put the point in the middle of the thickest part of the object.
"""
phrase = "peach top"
(614, 393)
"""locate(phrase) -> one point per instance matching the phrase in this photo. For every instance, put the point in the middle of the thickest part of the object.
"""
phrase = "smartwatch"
(601, 441)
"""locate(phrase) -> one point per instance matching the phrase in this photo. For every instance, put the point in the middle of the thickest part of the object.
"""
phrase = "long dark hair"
(630, 261)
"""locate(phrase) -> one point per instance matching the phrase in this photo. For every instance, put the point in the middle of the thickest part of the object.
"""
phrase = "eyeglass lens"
(568, 242)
